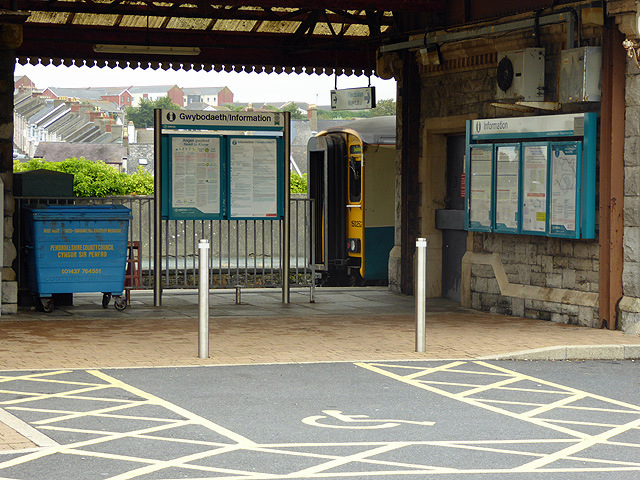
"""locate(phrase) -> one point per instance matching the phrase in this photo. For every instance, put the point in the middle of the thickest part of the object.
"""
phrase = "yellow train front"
(351, 178)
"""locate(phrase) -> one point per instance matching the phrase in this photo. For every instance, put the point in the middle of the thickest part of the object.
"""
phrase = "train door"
(451, 220)
(328, 187)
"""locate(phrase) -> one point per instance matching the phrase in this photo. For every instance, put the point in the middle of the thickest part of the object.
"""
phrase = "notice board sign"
(480, 186)
(507, 187)
(196, 176)
(534, 188)
(564, 186)
(532, 175)
(254, 178)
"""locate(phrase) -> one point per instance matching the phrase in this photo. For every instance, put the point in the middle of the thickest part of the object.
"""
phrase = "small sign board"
(353, 98)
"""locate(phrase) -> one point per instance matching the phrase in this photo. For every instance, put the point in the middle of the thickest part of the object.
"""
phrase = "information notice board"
(481, 169)
(564, 187)
(214, 177)
(196, 176)
(253, 177)
(507, 187)
(532, 175)
(535, 159)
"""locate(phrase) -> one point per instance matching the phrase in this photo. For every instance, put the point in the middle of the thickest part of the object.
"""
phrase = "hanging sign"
(353, 98)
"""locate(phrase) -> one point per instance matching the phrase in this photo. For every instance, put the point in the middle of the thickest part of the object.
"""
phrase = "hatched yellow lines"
(506, 382)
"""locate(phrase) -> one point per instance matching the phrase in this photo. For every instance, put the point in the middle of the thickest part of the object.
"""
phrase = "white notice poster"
(507, 186)
(195, 172)
(534, 188)
(564, 188)
(254, 177)
(480, 187)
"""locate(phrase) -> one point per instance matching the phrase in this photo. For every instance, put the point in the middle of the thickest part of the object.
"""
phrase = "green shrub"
(298, 183)
(97, 179)
(94, 179)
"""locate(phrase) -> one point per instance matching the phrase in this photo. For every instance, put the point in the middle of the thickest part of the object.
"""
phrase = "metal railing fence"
(243, 253)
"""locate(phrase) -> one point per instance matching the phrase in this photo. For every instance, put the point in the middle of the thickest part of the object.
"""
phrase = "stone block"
(551, 307)
(476, 301)
(632, 151)
(9, 292)
(561, 262)
(479, 284)
(538, 279)
(587, 316)
(569, 279)
(631, 279)
(8, 275)
(631, 211)
(554, 280)
(492, 286)
(632, 121)
(558, 318)
(631, 244)
(581, 264)
(9, 252)
(587, 250)
(485, 271)
(631, 181)
(517, 307)
(566, 249)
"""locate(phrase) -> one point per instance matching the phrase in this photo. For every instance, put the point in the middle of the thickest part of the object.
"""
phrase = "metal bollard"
(203, 299)
(421, 295)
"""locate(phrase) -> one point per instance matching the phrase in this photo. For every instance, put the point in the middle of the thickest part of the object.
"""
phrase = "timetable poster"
(507, 186)
(564, 188)
(534, 188)
(481, 161)
(195, 174)
(254, 177)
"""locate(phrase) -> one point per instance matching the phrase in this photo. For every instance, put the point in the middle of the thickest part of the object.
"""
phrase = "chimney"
(312, 115)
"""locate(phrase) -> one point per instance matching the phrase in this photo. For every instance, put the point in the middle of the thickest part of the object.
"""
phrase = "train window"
(355, 179)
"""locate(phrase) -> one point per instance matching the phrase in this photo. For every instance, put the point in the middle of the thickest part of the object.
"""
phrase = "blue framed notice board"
(532, 175)
(215, 176)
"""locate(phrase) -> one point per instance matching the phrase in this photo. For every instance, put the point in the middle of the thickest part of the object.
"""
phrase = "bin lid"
(78, 212)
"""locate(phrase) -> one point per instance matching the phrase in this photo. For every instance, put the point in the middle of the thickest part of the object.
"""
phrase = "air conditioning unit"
(580, 75)
(520, 75)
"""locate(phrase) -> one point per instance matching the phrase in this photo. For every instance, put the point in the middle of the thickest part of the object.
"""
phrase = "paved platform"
(354, 324)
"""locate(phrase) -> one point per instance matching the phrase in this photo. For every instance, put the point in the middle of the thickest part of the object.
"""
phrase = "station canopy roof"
(333, 36)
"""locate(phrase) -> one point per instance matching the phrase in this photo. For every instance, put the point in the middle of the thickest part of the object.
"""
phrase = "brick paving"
(341, 325)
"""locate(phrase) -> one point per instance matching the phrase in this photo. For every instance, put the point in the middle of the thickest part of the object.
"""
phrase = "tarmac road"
(449, 419)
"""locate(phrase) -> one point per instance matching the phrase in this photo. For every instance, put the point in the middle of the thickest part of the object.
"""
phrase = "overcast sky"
(245, 87)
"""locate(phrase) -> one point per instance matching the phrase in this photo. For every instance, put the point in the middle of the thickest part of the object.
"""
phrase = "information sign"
(481, 168)
(353, 98)
(507, 187)
(534, 188)
(196, 176)
(564, 187)
(253, 177)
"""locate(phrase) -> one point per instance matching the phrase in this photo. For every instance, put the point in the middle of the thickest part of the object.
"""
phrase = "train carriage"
(351, 177)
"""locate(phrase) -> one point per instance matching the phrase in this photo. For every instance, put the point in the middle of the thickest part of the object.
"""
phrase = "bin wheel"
(47, 305)
(106, 298)
(120, 303)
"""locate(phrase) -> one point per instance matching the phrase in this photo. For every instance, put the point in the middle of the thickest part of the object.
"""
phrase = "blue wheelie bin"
(72, 249)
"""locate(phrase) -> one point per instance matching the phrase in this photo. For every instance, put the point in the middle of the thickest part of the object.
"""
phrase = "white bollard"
(203, 299)
(421, 295)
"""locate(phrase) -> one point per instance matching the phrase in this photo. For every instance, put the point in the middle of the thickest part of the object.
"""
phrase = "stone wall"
(629, 306)
(521, 275)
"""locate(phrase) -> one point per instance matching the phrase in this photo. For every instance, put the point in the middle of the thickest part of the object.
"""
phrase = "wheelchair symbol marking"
(356, 421)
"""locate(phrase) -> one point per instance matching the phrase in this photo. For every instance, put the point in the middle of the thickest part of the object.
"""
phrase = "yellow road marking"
(174, 408)
(584, 441)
